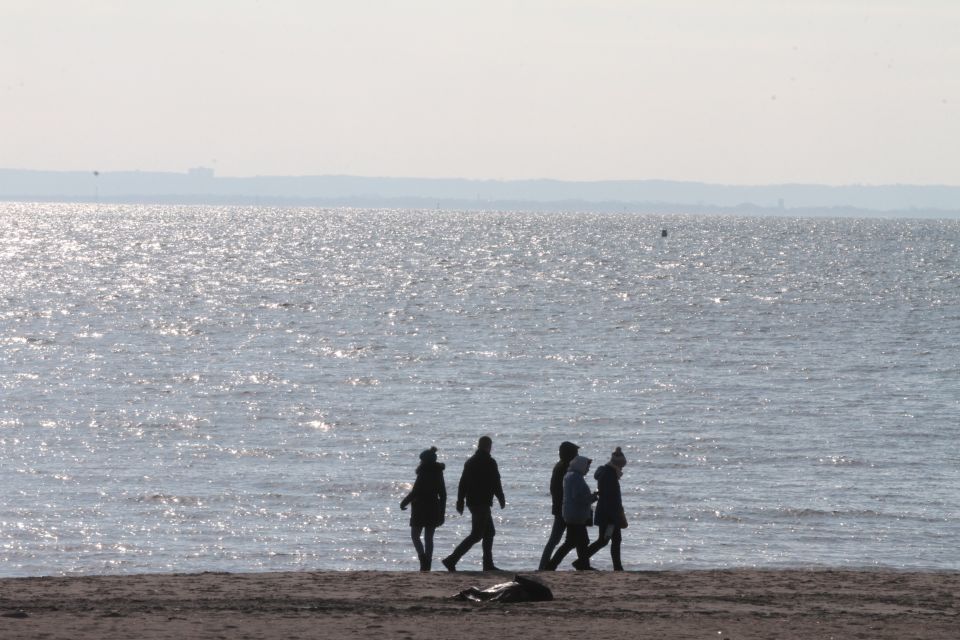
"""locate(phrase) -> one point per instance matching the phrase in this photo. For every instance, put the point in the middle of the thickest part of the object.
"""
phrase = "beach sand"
(691, 604)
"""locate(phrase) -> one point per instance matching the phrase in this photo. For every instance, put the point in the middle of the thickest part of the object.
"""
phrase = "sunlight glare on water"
(243, 389)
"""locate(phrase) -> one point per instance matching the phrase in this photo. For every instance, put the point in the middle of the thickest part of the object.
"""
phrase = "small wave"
(344, 353)
(178, 329)
(830, 513)
(290, 306)
(319, 425)
(166, 499)
(799, 513)
(842, 461)
(30, 340)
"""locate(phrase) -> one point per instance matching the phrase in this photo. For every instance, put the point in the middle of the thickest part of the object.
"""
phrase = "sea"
(247, 389)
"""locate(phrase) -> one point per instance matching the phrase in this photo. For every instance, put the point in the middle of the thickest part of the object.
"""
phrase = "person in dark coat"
(568, 451)
(429, 499)
(610, 517)
(479, 484)
(577, 515)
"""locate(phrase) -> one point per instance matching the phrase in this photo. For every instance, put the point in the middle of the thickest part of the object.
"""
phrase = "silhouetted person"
(568, 451)
(479, 483)
(610, 516)
(429, 498)
(577, 499)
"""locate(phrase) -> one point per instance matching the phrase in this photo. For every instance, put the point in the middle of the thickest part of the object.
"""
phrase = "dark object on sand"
(19, 613)
(520, 590)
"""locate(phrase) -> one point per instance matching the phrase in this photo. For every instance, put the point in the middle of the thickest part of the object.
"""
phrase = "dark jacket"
(556, 486)
(429, 496)
(567, 453)
(480, 481)
(610, 504)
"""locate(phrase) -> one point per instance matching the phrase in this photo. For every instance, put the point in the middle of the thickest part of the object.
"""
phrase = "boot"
(582, 565)
(424, 562)
(615, 556)
(488, 555)
(488, 563)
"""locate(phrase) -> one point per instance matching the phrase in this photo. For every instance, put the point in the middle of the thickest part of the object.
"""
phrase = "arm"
(462, 486)
(443, 498)
(611, 494)
(497, 486)
(412, 495)
(584, 498)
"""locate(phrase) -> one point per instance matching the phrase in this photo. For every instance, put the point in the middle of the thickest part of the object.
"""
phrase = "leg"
(488, 532)
(582, 542)
(478, 525)
(556, 534)
(568, 544)
(617, 538)
(415, 533)
(427, 548)
(600, 542)
(415, 536)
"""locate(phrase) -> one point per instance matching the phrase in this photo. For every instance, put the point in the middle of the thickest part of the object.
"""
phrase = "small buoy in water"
(663, 234)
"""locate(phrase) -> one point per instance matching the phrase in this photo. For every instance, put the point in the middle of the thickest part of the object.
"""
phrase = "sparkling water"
(248, 389)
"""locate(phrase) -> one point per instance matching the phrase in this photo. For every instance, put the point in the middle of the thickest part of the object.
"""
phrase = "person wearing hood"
(577, 515)
(568, 451)
(610, 517)
(429, 499)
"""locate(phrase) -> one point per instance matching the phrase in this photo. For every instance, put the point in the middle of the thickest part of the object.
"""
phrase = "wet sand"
(696, 604)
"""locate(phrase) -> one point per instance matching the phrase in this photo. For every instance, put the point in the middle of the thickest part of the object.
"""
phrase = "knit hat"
(429, 455)
(618, 459)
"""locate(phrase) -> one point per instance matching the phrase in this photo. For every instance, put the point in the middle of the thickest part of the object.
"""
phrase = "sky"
(733, 91)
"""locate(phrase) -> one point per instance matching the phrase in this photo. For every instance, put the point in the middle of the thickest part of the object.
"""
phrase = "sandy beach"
(697, 604)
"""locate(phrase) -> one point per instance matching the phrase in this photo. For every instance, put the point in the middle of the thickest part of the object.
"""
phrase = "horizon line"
(210, 172)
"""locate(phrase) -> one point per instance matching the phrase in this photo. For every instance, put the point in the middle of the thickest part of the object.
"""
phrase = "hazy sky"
(748, 92)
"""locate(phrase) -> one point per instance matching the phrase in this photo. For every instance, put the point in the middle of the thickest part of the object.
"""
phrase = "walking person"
(610, 517)
(479, 484)
(568, 451)
(429, 499)
(577, 515)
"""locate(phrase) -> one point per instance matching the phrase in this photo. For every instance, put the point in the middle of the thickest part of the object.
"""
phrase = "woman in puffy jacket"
(610, 517)
(577, 514)
(429, 498)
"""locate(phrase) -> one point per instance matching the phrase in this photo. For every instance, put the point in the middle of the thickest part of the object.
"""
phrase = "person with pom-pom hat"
(609, 515)
(429, 498)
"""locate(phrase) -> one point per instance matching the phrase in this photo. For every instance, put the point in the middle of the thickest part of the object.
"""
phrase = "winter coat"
(610, 504)
(480, 481)
(556, 478)
(577, 497)
(556, 486)
(429, 496)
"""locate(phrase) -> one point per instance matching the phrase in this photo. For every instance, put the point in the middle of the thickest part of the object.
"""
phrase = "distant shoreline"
(201, 186)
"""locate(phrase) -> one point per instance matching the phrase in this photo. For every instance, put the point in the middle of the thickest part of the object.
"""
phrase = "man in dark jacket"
(479, 483)
(568, 451)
